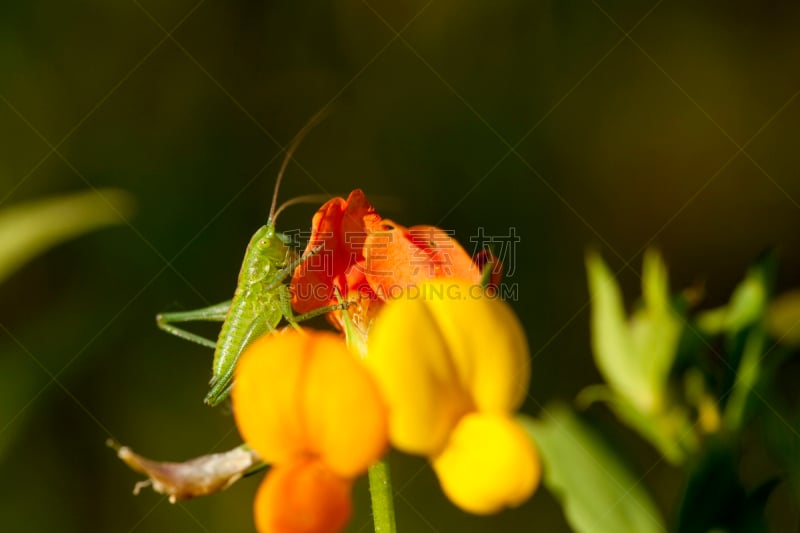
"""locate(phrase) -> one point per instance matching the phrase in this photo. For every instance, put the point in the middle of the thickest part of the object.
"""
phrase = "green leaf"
(747, 376)
(635, 357)
(783, 318)
(656, 328)
(747, 304)
(598, 492)
(29, 229)
(611, 342)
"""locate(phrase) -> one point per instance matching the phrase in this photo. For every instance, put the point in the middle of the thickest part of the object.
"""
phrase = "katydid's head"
(266, 242)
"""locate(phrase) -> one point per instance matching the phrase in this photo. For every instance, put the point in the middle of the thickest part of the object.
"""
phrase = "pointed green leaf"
(611, 342)
(29, 229)
(747, 375)
(656, 328)
(634, 357)
(597, 490)
(747, 304)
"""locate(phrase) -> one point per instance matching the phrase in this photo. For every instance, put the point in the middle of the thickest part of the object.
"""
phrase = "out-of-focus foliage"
(741, 323)
(29, 229)
(598, 491)
(636, 355)
(714, 498)
(783, 319)
(747, 304)
(710, 409)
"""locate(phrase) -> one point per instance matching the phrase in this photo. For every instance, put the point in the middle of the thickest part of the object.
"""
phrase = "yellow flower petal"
(411, 363)
(302, 497)
(265, 399)
(304, 394)
(344, 413)
(486, 342)
(489, 463)
(441, 352)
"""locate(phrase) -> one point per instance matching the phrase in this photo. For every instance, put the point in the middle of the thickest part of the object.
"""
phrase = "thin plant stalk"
(380, 488)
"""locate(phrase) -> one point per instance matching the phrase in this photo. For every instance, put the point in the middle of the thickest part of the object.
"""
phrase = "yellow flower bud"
(488, 464)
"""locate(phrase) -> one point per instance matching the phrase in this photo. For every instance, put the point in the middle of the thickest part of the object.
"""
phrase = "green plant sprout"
(261, 299)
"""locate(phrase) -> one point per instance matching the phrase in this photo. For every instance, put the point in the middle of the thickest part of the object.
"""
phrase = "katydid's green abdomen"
(255, 308)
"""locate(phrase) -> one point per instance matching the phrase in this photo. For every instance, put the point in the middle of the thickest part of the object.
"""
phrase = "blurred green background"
(627, 120)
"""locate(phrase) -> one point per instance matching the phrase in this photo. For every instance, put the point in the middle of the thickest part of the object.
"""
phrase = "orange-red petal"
(340, 226)
(302, 497)
(397, 258)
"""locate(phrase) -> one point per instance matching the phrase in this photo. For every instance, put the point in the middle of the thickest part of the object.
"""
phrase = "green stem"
(380, 488)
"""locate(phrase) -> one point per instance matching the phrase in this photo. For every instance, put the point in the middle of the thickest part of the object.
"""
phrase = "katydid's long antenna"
(316, 119)
(304, 199)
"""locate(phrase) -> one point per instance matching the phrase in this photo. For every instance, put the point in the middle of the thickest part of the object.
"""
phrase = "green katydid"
(261, 299)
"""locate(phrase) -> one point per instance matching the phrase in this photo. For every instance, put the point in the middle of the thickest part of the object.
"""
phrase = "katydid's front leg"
(288, 313)
(212, 313)
(285, 272)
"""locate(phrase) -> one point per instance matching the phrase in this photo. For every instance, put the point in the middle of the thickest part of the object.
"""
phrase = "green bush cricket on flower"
(261, 299)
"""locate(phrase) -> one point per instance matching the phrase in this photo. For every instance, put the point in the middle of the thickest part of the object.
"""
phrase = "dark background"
(632, 123)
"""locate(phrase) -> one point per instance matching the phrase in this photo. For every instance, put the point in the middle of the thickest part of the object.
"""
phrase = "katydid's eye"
(263, 242)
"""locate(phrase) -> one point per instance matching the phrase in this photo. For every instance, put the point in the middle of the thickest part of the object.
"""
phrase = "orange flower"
(308, 407)
(340, 228)
(370, 260)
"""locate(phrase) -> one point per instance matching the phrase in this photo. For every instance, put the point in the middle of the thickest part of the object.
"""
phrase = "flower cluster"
(438, 369)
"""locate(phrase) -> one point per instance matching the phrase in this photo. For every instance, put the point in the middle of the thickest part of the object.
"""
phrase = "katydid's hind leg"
(163, 321)
(213, 313)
